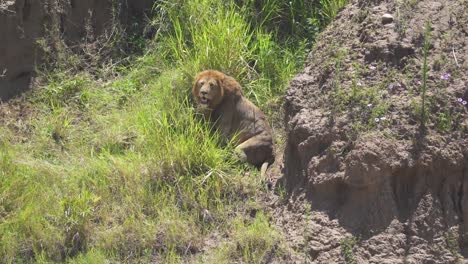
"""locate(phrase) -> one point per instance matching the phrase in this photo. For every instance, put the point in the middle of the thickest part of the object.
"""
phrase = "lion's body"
(220, 98)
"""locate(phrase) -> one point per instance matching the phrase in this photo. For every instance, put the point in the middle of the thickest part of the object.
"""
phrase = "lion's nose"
(203, 92)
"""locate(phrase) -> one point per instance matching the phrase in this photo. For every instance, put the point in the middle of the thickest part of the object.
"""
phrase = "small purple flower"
(419, 83)
(372, 67)
(464, 102)
(445, 76)
(359, 84)
(460, 100)
(369, 105)
(398, 84)
(376, 119)
(390, 86)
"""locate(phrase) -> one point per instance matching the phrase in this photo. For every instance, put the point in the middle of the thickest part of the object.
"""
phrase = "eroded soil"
(366, 181)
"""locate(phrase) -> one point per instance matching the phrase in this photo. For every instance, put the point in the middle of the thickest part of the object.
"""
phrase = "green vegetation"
(347, 246)
(425, 69)
(252, 241)
(124, 169)
(444, 122)
(452, 244)
(403, 12)
(363, 103)
(371, 104)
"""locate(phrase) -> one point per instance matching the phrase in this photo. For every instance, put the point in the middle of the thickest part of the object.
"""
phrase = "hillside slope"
(25, 24)
(106, 160)
(374, 175)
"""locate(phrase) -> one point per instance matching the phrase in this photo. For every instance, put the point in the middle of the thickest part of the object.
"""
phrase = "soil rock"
(399, 190)
(23, 22)
(387, 19)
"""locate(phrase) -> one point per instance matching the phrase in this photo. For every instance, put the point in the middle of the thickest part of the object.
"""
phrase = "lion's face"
(208, 92)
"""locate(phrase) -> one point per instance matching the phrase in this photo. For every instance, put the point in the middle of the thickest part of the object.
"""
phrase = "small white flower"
(359, 84)
(383, 118)
(376, 119)
(369, 105)
(445, 76)
(372, 67)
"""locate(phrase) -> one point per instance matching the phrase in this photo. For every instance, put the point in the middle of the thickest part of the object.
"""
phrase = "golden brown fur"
(220, 99)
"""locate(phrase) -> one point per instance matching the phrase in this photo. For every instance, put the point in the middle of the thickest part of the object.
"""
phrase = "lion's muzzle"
(203, 97)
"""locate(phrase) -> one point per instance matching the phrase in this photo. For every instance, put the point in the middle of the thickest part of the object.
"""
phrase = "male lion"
(220, 99)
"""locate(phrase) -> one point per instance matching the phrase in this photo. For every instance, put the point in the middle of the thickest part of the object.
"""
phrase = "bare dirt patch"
(365, 184)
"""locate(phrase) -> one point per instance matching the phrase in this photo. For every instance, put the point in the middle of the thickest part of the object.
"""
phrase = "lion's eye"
(211, 85)
(202, 83)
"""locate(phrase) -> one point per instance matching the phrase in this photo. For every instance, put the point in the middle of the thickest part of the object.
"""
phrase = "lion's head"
(211, 87)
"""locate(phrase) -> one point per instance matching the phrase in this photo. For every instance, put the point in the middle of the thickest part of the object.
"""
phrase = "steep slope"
(373, 175)
(24, 22)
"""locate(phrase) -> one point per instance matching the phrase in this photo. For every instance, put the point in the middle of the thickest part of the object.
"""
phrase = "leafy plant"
(452, 244)
(347, 246)
(444, 122)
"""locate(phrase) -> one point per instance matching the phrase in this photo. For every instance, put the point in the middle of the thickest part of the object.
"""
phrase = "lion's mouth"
(204, 100)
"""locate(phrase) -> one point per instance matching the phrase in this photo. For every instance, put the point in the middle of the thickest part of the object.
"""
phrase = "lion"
(219, 97)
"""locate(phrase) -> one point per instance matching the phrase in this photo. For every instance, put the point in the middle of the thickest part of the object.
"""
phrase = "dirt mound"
(368, 183)
(23, 22)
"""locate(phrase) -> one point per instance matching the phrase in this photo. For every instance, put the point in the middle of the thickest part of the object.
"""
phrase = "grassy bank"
(123, 168)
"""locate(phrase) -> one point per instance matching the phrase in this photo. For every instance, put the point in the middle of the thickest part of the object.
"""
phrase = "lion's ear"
(230, 86)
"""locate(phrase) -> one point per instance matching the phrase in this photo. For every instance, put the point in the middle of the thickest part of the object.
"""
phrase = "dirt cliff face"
(368, 183)
(23, 22)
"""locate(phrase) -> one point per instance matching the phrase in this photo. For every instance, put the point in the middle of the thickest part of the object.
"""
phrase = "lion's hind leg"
(257, 152)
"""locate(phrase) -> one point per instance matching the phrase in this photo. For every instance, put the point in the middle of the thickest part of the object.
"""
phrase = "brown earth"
(23, 22)
(362, 191)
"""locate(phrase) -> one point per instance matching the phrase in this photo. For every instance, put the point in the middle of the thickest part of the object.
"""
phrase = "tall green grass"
(125, 169)
(221, 37)
(208, 34)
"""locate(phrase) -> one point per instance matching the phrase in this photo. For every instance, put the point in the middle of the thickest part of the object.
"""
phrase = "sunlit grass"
(124, 169)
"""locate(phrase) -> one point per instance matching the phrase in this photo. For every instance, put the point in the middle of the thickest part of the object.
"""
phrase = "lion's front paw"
(241, 154)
